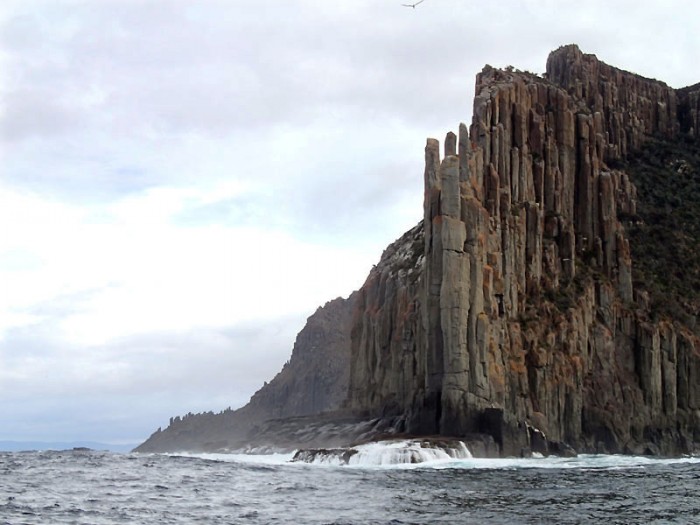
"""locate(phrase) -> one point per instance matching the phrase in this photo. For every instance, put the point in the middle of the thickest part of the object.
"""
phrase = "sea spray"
(396, 452)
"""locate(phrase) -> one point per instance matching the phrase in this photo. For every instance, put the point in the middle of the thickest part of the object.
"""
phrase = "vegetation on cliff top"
(665, 235)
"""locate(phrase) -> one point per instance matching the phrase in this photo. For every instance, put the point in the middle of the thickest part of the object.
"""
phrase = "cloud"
(153, 375)
(134, 269)
(183, 182)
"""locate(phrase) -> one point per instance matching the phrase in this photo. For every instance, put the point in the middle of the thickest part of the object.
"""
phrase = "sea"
(376, 487)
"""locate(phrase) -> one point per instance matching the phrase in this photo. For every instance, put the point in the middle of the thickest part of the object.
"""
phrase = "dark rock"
(557, 448)
(341, 455)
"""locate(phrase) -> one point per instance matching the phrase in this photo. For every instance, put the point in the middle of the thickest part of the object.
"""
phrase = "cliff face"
(316, 377)
(689, 110)
(517, 314)
(549, 298)
(314, 380)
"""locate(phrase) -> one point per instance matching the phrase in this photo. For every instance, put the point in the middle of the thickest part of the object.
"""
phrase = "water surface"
(101, 487)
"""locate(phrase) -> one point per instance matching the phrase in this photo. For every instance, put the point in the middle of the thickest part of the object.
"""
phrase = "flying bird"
(413, 5)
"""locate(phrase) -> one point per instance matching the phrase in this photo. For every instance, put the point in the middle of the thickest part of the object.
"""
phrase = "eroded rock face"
(316, 377)
(517, 315)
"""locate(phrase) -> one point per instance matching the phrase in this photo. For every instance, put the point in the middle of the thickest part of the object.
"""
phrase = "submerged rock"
(335, 456)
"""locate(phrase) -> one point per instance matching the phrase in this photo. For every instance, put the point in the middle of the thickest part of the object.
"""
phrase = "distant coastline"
(19, 446)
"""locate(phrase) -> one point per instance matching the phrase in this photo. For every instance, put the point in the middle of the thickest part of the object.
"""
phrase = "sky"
(182, 183)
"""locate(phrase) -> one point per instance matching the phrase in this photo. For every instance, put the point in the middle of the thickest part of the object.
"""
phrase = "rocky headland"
(548, 300)
(313, 381)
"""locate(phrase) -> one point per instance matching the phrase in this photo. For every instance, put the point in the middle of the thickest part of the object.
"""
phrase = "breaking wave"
(401, 452)
(447, 455)
(383, 453)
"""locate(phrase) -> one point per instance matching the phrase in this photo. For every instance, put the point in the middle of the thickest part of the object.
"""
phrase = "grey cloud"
(36, 340)
(219, 67)
(95, 417)
(143, 380)
(35, 113)
(217, 70)
(106, 78)
(99, 100)
(242, 355)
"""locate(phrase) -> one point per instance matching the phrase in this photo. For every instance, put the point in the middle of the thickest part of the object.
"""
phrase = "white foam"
(258, 459)
(583, 461)
(405, 453)
(408, 452)
(399, 454)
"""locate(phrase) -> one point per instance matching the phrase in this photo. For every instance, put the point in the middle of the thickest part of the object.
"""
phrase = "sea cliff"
(515, 309)
(524, 321)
